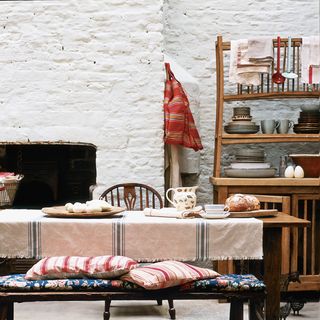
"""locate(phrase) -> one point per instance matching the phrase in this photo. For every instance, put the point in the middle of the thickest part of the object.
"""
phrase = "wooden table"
(299, 249)
(272, 246)
(272, 231)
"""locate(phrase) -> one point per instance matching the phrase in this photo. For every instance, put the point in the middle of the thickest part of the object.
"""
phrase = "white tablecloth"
(31, 234)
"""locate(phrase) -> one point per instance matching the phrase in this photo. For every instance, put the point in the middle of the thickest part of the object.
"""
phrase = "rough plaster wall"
(89, 71)
(191, 29)
(92, 71)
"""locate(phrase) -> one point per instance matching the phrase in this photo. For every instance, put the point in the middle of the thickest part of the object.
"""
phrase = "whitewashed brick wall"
(92, 71)
(89, 71)
(191, 28)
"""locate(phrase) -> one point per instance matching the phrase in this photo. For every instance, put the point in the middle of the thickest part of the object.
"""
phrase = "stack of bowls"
(250, 163)
(309, 120)
(241, 122)
(250, 155)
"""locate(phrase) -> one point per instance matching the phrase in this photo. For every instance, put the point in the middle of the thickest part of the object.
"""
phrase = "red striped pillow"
(104, 267)
(167, 274)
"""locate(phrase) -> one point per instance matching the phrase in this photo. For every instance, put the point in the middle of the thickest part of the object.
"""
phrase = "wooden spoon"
(278, 77)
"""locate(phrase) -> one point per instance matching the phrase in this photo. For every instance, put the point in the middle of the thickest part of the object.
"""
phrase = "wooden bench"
(197, 291)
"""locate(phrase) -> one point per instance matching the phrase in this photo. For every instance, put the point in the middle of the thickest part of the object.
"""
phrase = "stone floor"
(146, 310)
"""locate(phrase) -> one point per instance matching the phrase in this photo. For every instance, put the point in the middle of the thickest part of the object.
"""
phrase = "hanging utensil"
(289, 74)
(278, 77)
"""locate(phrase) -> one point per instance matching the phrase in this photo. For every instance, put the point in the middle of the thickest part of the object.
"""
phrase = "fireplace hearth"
(54, 173)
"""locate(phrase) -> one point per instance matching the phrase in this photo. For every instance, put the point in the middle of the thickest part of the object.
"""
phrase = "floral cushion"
(102, 267)
(227, 282)
(167, 274)
(17, 282)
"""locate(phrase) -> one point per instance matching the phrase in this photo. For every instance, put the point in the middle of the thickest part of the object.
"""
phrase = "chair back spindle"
(133, 196)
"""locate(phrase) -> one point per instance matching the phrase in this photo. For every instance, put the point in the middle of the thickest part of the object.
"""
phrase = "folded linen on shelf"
(310, 60)
(174, 213)
(260, 49)
(250, 58)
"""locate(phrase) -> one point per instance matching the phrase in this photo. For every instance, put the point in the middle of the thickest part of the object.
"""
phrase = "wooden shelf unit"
(291, 89)
(299, 248)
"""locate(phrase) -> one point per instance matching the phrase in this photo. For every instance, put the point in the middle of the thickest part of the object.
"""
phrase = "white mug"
(268, 126)
(284, 126)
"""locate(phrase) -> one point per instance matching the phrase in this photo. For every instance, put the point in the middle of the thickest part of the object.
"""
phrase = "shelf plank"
(226, 45)
(268, 138)
(272, 95)
(310, 182)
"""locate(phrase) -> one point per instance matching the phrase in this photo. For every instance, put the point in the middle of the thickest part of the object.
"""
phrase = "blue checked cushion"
(227, 282)
(17, 282)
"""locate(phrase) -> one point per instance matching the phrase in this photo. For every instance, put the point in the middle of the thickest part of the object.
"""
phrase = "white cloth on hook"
(310, 56)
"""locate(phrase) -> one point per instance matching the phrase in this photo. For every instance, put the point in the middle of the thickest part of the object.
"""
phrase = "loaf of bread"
(240, 202)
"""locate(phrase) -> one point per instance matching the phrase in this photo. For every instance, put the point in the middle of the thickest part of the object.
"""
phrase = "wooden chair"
(136, 196)
(133, 196)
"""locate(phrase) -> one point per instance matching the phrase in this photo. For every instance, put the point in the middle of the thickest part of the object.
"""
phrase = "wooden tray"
(60, 212)
(254, 213)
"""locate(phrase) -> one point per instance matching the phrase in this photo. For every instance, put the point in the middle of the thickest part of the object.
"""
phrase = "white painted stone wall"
(191, 28)
(89, 71)
(92, 71)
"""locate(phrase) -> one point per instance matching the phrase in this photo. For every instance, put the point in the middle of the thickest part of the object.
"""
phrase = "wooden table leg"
(272, 270)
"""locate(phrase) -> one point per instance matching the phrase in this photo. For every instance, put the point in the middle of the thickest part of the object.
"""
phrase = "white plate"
(215, 215)
(250, 173)
(250, 165)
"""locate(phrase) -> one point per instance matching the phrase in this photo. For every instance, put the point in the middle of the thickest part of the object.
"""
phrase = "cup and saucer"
(214, 211)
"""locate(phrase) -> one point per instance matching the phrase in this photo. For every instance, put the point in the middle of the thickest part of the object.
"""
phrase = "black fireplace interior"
(53, 173)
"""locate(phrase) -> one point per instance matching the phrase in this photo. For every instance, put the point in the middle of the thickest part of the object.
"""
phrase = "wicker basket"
(8, 189)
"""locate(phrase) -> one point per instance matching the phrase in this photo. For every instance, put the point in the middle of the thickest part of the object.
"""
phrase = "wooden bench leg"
(6, 311)
(236, 310)
(159, 302)
(172, 310)
(256, 311)
(106, 314)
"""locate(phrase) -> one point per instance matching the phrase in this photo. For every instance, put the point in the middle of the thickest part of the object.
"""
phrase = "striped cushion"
(103, 267)
(167, 274)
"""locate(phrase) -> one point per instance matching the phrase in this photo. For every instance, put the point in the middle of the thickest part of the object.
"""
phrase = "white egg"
(289, 172)
(69, 207)
(298, 172)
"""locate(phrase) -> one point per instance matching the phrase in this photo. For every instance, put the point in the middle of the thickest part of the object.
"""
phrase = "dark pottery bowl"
(310, 164)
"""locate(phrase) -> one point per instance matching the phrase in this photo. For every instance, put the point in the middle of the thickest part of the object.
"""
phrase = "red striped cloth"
(180, 127)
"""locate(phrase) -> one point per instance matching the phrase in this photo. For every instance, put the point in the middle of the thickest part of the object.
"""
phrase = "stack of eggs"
(241, 122)
(292, 172)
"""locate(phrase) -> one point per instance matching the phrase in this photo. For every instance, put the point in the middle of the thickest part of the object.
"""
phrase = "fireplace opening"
(53, 173)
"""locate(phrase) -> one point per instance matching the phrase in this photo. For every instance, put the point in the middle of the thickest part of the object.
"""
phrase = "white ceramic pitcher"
(183, 198)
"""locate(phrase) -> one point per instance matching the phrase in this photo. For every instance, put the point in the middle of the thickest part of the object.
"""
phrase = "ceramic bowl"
(310, 107)
(241, 111)
(250, 152)
(310, 164)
